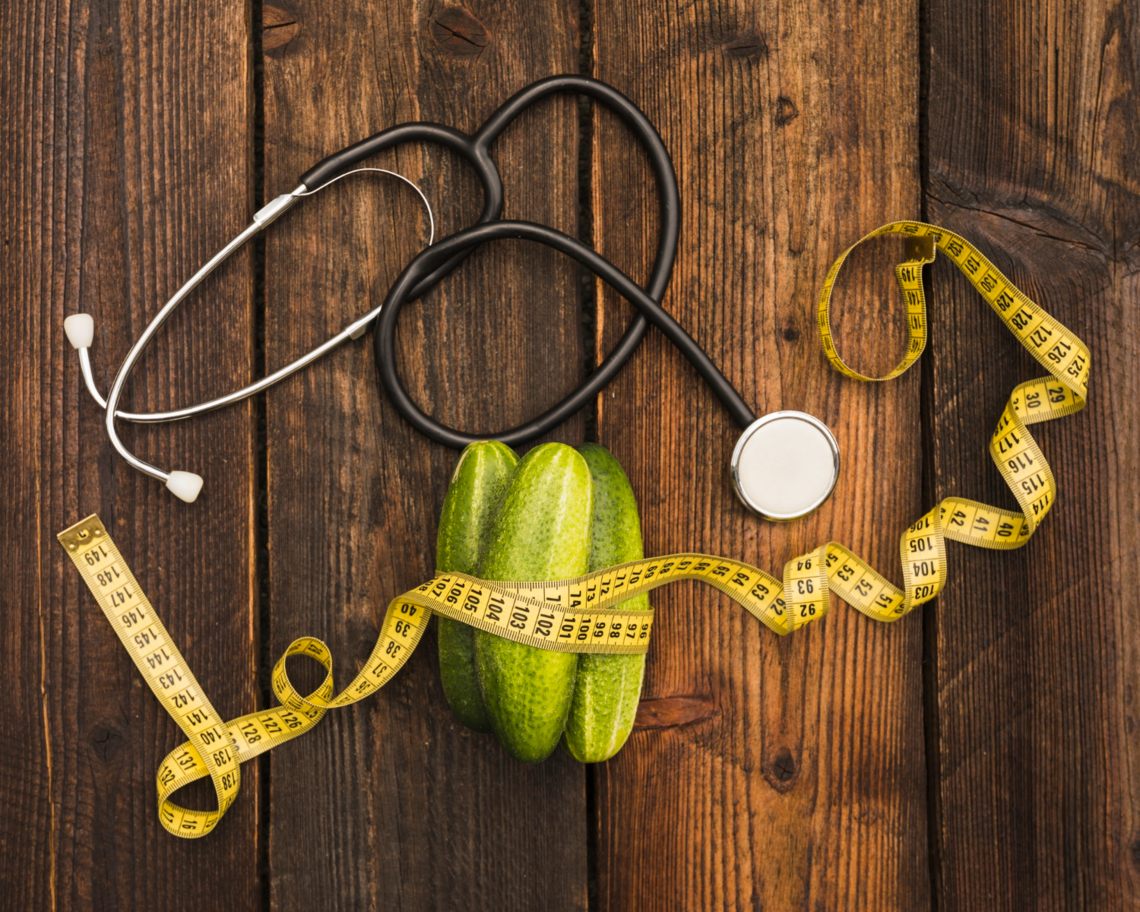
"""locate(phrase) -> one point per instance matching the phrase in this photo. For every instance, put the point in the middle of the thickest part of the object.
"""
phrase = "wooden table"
(981, 754)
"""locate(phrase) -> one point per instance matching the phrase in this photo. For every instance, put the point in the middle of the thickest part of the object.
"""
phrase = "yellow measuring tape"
(581, 615)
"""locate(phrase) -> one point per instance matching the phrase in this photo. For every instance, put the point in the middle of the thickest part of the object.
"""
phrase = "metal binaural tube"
(354, 330)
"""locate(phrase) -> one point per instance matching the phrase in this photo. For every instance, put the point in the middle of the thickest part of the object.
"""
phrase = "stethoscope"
(774, 451)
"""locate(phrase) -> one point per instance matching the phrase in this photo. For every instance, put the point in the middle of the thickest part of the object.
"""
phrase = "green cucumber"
(541, 532)
(609, 686)
(477, 486)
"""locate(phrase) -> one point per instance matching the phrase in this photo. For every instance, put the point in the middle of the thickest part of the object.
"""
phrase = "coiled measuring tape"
(584, 615)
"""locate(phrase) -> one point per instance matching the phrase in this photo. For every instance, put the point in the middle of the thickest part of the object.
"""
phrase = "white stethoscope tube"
(80, 329)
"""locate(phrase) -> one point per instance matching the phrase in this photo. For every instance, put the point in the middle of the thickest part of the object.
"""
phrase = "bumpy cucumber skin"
(477, 485)
(541, 532)
(609, 686)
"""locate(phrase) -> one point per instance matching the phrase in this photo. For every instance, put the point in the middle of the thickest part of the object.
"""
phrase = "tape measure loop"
(920, 249)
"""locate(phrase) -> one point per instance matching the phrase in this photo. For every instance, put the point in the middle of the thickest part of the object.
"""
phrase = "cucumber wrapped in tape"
(541, 532)
(477, 485)
(608, 687)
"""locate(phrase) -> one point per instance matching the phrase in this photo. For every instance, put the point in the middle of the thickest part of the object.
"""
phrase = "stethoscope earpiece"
(80, 329)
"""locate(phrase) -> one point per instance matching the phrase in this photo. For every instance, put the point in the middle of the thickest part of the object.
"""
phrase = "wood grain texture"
(392, 803)
(117, 180)
(793, 776)
(763, 773)
(1034, 120)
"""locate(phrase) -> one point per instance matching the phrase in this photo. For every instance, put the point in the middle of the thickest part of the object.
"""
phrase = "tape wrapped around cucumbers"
(557, 513)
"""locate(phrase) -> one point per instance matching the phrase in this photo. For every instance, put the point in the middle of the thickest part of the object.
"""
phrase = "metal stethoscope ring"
(476, 150)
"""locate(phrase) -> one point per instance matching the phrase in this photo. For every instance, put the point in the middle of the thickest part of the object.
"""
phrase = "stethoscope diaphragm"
(785, 465)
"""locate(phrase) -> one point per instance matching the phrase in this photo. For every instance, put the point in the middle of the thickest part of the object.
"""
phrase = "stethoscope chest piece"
(785, 465)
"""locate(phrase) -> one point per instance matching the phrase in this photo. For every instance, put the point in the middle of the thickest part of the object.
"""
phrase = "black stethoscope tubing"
(476, 150)
(465, 241)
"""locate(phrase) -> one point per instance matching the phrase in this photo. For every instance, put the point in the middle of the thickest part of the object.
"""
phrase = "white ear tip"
(184, 485)
(80, 329)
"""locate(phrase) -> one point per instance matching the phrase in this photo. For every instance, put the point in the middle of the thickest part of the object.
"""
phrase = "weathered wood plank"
(116, 182)
(1034, 120)
(788, 774)
(392, 803)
